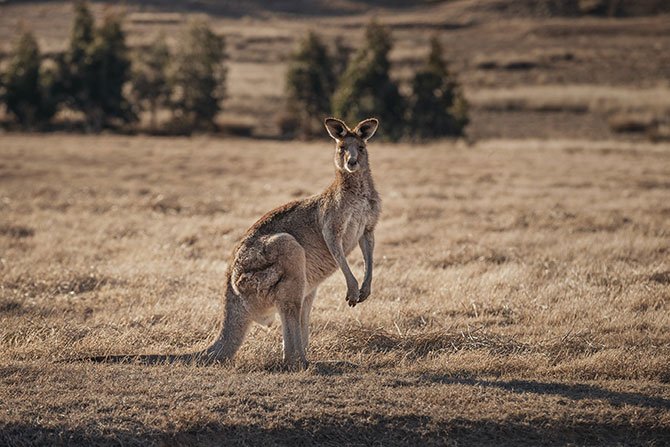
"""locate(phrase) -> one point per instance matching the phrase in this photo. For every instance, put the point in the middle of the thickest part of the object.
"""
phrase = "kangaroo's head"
(351, 154)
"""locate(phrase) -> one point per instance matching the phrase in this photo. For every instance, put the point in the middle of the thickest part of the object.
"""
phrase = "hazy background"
(530, 69)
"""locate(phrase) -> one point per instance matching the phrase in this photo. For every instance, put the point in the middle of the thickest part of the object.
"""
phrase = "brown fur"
(287, 253)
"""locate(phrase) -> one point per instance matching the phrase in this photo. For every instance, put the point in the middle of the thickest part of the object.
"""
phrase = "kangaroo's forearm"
(336, 250)
(367, 245)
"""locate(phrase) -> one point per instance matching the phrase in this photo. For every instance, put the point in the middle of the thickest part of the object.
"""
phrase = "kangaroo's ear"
(367, 128)
(336, 128)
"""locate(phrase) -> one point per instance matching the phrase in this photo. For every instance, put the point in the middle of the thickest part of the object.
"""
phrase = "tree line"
(322, 82)
(110, 86)
(99, 77)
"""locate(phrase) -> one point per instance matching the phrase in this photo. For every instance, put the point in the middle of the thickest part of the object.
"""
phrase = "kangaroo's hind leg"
(305, 311)
(288, 294)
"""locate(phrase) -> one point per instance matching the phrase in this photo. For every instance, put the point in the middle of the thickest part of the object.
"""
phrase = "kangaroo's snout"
(351, 159)
(352, 165)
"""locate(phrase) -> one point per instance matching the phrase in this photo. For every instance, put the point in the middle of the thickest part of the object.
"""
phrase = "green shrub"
(111, 65)
(28, 88)
(150, 89)
(310, 83)
(366, 89)
(437, 107)
(81, 37)
(74, 65)
(197, 78)
(95, 68)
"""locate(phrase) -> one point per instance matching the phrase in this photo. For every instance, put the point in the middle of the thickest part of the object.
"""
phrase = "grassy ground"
(521, 295)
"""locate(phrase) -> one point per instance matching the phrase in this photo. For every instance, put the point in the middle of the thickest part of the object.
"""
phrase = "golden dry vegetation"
(521, 295)
(522, 286)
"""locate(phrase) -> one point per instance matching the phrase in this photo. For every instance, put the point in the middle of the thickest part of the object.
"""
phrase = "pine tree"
(81, 35)
(341, 57)
(110, 64)
(75, 65)
(95, 68)
(150, 87)
(437, 106)
(310, 82)
(29, 88)
(198, 77)
(366, 89)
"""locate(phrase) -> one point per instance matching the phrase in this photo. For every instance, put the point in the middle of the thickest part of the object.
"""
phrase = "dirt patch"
(661, 277)
(16, 231)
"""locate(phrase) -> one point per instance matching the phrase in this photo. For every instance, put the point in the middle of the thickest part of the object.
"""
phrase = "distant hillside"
(546, 8)
(575, 8)
(531, 68)
(613, 8)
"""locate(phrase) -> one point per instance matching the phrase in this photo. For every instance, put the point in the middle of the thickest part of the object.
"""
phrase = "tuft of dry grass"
(521, 295)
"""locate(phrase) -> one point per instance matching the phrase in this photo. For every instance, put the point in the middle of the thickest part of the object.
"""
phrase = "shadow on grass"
(333, 367)
(571, 391)
(370, 429)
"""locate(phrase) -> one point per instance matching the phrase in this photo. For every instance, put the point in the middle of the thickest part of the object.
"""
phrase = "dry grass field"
(522, 280)
(521, 295)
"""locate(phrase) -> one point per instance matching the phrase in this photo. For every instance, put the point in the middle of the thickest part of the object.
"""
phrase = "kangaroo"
(287, 253)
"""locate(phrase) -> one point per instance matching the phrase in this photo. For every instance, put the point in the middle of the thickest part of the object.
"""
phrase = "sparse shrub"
(95, 69)
(661, 131)
(288, 121)
(150, 89)
(654, 126)
(627, 122)
(237, 127)
(197, 78)
(310, 82)
(623, 8)
(366, 88)
(437, 105)
(597, 7)
(28, 87)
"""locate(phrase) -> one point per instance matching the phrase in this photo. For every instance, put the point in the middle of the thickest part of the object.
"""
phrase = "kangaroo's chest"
(361, 215)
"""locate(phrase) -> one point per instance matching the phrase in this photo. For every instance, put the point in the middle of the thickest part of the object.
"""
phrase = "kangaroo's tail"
(196, 358)
(235, 325)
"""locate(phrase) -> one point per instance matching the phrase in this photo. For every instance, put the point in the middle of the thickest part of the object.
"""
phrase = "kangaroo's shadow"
(333, 367)
(576, 391)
